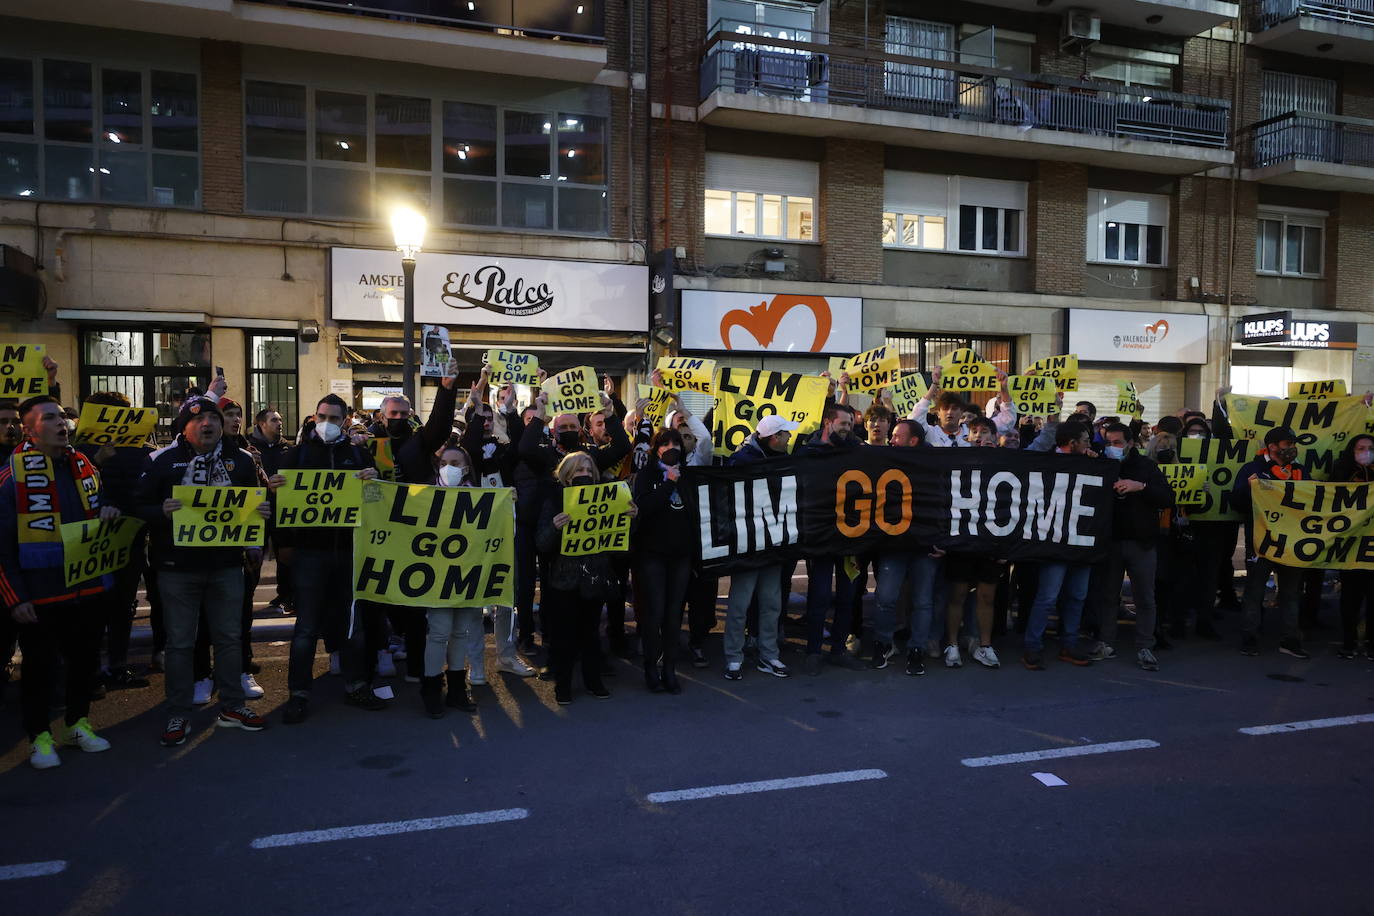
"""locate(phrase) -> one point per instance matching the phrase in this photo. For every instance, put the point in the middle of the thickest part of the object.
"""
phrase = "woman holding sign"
(665, 540)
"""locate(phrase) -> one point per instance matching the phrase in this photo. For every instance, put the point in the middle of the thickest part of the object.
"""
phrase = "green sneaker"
(44, 755)
(83, 736)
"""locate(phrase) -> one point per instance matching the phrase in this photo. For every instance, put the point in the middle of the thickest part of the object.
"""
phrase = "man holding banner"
(45, 484)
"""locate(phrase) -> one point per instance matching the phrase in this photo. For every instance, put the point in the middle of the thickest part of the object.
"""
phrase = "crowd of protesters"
(929, 606)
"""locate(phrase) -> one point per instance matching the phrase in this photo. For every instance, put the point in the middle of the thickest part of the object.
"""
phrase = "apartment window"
(954, 213)
(757, 197)
(1132, 66)
(1289, 243)
(272, 378)
(348, 155)
(1125, 228)
(75, 130)
(774, 20)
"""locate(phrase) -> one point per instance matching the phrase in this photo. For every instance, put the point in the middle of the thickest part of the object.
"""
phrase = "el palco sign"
(494, 291)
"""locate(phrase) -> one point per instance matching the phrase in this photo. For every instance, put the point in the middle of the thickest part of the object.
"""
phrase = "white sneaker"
(514, 665)
(385, 666)
(44, 755)
(83, 736)
(952, 659)
(986, 657)
(477, 676)
(203, 690)
(335, 667)
(251, 688)
(773, 667)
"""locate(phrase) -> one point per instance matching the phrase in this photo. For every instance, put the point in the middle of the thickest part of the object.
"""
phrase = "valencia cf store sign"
(1283, 331)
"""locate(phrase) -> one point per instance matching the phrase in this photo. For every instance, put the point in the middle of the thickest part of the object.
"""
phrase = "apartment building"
(1125, 179)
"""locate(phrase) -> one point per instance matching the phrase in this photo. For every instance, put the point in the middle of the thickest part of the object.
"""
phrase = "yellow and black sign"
(1063, 369)
(600, 519)
(1128, 401)
(745, 396)
(1316, 391)
(102, 424)
(657, 409)
(964, 371)
(1188, 481)
(21, 371)
(871, 370)
(508, 368)
(687, 373)
(1034, 395)
(908, 390)
(319, 499)
(573, 391)
(1223, 459)
(219, 517)
(94, 548)
(1323, 427)
(1312, 524)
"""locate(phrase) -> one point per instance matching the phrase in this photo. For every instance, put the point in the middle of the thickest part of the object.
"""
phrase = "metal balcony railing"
(836, 74)
(1266, 14)
(578, 20)
(1310, 136)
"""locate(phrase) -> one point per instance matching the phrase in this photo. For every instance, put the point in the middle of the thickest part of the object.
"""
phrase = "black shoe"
(295, 710)
(915, 662)
(699, 658)
(1033, 660)
(432, 696)
(844, 659)
(1249, 646)
(1346, 653)
(1292, 647)
(563, 695)
(364, 698)
(125, 679)
(651, 679)
(527, 646)
(881, 652)
(599, 691)
(458, 696)
(670, 681)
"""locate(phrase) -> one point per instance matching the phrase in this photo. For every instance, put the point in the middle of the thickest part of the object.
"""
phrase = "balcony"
(1305, 150)
(813, 89)
(552, 39)
(1315, 28)
(1172, 17)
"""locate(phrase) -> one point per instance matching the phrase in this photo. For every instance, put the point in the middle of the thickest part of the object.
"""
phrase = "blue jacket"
(748, 453)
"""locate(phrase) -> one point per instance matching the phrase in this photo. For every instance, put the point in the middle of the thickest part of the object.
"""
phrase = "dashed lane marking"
(1049, 779)
(389, 828)
(1082, 750)
(766, 785)
(1305, 725)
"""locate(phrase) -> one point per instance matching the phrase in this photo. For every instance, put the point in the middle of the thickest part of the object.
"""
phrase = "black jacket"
(270, 453)
(1135, 516)
(539, 458)
(413, 457)
(119, 474)
(313, 454)
(164, 469)
(748, 453)
(503, 457)
(663, 525)
(1241, 499)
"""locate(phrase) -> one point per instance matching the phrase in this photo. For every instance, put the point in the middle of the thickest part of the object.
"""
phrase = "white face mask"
(1364, 459)
(1196, 436)
(328, 432)
(451, 476)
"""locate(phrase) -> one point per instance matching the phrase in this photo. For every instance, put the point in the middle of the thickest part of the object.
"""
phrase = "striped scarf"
(37, 503)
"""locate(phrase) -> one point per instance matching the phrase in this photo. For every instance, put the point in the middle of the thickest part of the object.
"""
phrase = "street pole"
(408, 333)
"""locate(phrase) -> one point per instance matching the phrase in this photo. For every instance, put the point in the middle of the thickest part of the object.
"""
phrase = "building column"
(221, 126)
(1350, 253)
(1057, 227)
(850, 211)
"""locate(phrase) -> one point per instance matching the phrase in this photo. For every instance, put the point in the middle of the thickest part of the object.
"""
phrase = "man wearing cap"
(1278, 461)
(190, 578)
(769, 440)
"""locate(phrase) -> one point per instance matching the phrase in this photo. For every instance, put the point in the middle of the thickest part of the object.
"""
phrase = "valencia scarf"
(37, 501)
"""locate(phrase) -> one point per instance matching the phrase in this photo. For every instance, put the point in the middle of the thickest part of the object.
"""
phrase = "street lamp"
(408, 228)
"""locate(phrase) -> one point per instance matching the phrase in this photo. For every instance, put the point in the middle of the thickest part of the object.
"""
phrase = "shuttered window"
(761, 197)
(1126, 228)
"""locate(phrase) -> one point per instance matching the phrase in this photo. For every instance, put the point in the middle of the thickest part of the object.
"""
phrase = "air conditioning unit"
(1082, 25)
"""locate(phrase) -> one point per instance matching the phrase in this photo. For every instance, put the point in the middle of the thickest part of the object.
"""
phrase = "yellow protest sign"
(660, 399)
(600, 519)
(508, 368)
(94, 548)
(1188, 481)
(1033, 395)
(1316, 391)
(219, 517)
(745, 396)
(102, 424)
(1128, 401)
(870, 370)
(965, 372)
(1223, 459)
(686, 373)
(573, 391)
(1312, 524)
(908, 389)
(319, 499)
(1323, 427)
(1063, 369)
(21, 371)
(435, 546)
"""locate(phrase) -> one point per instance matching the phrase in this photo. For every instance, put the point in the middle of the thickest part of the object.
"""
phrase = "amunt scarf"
(38, 503)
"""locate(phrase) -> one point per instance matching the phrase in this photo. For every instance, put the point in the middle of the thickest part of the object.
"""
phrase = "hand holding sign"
(510, 368)
(105, 424)
(22, 371)
(572, 391)
(963, 371)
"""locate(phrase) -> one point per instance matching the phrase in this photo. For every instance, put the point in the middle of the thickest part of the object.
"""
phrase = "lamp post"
(408, 228)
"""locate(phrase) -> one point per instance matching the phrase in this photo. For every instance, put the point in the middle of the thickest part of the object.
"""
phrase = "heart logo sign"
(797, 316)
(1160, 329)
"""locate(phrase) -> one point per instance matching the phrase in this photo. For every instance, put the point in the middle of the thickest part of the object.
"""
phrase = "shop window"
(152, 368)
(273, 379)
(1290, 243)
(923, 352)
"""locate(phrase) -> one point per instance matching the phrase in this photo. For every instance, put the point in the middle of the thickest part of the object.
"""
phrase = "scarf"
(37, 501)
(207, 470)
(383, 457)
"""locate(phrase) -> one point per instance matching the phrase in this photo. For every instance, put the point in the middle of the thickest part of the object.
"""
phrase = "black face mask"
(583, 480)
(1166, 456)
(570, 440)
(1287, 456)
(398, 427)
(671, 457)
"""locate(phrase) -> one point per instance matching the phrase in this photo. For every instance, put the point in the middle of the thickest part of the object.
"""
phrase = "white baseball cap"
(773, 424)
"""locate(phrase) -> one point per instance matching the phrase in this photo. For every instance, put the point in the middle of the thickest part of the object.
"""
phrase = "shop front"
(1161, 352)
(1270, 350)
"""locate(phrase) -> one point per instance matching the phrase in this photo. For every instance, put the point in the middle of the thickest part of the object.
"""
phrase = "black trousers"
(661, 588)
(701, 608)
(119, 606)
(1357, 590)
(70, 633)
(573, 625)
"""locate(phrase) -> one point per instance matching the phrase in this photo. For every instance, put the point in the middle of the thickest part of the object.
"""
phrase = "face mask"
(569, 440)
(671, 457)
(398, 427)
(1166, 456)
(1197, 436)
(583, 480)
(1287, 455)
(1114, 452)
(1364, 459)
(452, 476)
(328, 432)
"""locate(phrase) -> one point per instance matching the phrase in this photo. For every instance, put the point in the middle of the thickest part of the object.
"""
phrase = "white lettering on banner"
(974, 507)
(761, 520)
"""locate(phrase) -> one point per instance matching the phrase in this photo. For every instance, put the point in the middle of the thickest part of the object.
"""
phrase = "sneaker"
(178, 727)
(83, 736)
(600, 692)
(251, 688)
(853, 645)
(386, 666)
(1146, 659)
(1101, 652)
(240, 717)
(1345, 653)
(1075, 656)
(952, 659)
(125, 679)
(1292, 647)
(43, 756)
(335, 666)
(1033, 660)
(732, 671)
(364, 698)
(881, 653)
(1249, 646)
(987, 657)
(751, 646)
(847, 660)
(204, 689)
(932, 649)
(814, 664)
(774, 667)
(915, 662)
(698, 658)
(513, 664)
(295, 710)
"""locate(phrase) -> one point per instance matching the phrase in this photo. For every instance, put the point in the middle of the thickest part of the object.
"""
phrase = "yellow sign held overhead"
(1324, 427)
(745, 396)
(319, 499)
(510, 368)
(687, 373)
(1033, 395)
(965, 372)
(1223, 459)
(908, 389)
(573, 391)
(1307, 523)
(600, 519)
(94, 548)
(1127, 401)
(21, 371)
(1063, 369)
(219, 517)
(103, 424)
(871, 370)
(1316, 391)
(660, 399)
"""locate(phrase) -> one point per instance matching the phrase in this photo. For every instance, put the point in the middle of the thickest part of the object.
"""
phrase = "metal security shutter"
(1285, 92)
(762, 175)
(1162, 391)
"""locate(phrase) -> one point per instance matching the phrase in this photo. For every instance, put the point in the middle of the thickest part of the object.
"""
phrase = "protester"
(455, 633)
(972, 573)
(1356, 464)
(265, 439)
(664, 542)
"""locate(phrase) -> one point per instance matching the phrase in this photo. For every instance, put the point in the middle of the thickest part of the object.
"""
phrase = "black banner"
(1015, 505)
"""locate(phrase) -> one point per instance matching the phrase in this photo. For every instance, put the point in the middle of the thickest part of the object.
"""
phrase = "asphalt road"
(1196, 817)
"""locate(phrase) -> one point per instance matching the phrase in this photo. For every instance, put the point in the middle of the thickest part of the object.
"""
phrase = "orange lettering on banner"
(890, 476)
(762, 320)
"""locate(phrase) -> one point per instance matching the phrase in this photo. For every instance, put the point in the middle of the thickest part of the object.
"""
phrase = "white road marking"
(766, 785)
(1080, 750)
(1305, 725)
(389, 828)
(32, 870)
(1049, 779)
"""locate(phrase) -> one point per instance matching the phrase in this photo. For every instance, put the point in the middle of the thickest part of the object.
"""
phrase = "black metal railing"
(1266, 14)
(553, 19)
(1312, 137)
(871, 78)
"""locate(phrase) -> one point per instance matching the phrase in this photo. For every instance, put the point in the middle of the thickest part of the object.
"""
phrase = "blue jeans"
(894, 570)
(828, 587)
(1072, 578)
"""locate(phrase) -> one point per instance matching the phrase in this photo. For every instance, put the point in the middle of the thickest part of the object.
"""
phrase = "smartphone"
(219, 370)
